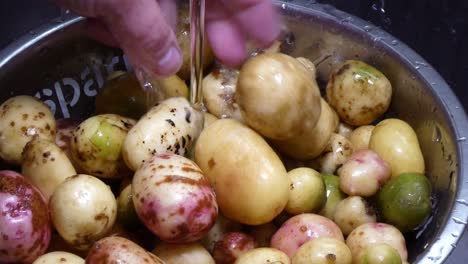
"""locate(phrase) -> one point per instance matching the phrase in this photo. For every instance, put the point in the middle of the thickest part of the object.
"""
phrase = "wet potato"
(59, 257)
(231, 246)
(323, 250)
(193, 253)
(353, 212)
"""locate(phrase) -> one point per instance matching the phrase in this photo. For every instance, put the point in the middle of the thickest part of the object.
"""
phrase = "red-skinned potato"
(231, 246)
(221, 227)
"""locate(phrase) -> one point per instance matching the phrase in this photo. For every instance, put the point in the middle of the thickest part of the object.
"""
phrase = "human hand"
(144, 29)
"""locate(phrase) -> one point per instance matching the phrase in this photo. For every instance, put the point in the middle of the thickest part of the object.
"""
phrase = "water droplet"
(417, 67)
(367, 28)
(459, 221)
(394, 42)
(433, 83)
(461, 139)
(462, 201)
(436, 135)
(457, 107)
(283, 6)
(453, 31)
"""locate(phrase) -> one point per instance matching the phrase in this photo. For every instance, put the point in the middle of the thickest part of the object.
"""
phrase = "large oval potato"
(278, 96)
(244, 171)
(359, 92)
(397, 143)
(45, 165)
(312, 142)
(170, 127)
(21, 118)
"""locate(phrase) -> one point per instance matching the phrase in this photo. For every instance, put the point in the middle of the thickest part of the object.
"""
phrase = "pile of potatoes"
(272, 172)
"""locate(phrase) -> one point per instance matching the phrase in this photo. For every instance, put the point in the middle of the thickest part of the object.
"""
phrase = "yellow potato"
(360, 137)
(307, 192)
(323, 250)
(278, 96)
(59, 257)
(193, 253)
(262, 256)
(313, 141)
(396, 142)
(249, 179)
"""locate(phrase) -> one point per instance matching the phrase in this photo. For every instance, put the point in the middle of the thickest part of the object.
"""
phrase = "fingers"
(140, 28)
(227, 42)
(95, 29)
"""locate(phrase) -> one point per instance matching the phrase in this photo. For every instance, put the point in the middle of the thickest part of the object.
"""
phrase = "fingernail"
(170, 63)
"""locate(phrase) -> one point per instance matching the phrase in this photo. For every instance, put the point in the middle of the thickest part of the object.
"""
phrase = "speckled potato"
(221, 227)
(244, 171)
(353, 212)
(193, 253)
(25, 228)
(374, 233)
(45, 165)
(174, 199)
(379, 253)
(360, 137)
(323, 250)
(307, 192)
(96, 145)
(231, 246)
(83, 210)
(363, 174)
(116, 249)
(263, 234)
(334, 195)
(336, 153)
(219, 88)
(312, 142)
(278, 96)
(301, 228)
(21, 118)
(262, 256)
(59, 257)
(170, 127)
(359, 92)
(396, 142)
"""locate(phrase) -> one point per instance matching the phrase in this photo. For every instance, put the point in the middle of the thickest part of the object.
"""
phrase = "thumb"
(141, 30)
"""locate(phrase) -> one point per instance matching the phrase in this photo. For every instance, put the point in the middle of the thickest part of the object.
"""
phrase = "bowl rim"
(454, 225)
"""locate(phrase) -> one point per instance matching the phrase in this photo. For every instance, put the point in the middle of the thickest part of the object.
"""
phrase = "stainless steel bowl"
(66, 70)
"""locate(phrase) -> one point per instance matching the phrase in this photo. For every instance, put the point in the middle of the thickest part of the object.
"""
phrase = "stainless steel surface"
(66, 70)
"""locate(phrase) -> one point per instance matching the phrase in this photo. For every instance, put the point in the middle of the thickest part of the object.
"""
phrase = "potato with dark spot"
(353, 212)
(231, 246)
(116, 249)
(263, 256)
(336, 153)
(307, 192)
(278, 96)
(83, 210)
(45, 165)
(221, 227)
(171, 127)
(358, 92)
(192, 253)
(25, 228)
(21, 118)
(174, 199)
(323, 250)
(59, 257)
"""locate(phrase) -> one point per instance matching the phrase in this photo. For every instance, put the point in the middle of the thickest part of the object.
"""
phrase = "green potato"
(380, 253)
(405, 201)
(307, 192)
(334, 195)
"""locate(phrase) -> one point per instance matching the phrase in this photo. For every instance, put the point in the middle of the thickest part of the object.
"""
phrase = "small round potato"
(359, 93)
(45, 165)
(83, 210)
(337, 152)
(374, 233)
(262, 256)
(221, 227)
(59, 257)
(193, 253)
(396, 142)
(97, 145)
(231, 246)
(114, 249)
(323, 250)
(278, 96)
(380, 253)
(360, 137)
(353, 212)
(219, 88)
(21, 118)
(307, 192)
(334, 195)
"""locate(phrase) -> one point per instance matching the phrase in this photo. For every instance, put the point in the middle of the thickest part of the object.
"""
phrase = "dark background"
(436, 29)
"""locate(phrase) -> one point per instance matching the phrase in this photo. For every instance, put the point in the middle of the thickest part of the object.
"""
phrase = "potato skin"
(25, 229)
(174, 199)
(262, 256)
(170, 127)
(299, 229)
(360, 137)
(45, 165)
(116, 249)
(83, 210)
(307, 192)
(231, 246)
(59, 257)
(396, 142)
(358, 92)
(278, 96)
(192, 253)
(21, 118)
(353, 212)
(323, 250)
(250, 171)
